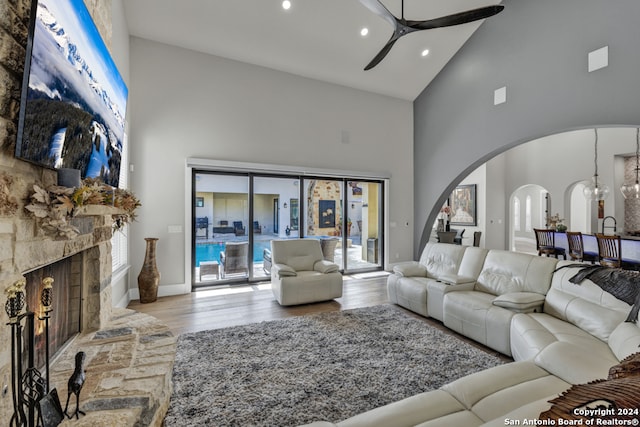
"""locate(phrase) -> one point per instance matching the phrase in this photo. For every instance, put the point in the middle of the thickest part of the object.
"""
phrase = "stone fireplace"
(34, 255)
(81, 300)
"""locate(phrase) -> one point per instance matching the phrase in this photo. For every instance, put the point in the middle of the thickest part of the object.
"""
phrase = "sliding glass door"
(237, 215)
(220, 227)
(364, 223)
(274, 217)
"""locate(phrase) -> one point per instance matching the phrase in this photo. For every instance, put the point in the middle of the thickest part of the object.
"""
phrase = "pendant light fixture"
(632, 191)
(596, 190)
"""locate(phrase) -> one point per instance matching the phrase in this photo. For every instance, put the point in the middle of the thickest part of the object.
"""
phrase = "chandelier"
(632, 191)
(595, 190)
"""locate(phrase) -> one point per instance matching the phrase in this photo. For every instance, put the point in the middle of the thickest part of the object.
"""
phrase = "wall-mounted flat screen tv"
(72, 112)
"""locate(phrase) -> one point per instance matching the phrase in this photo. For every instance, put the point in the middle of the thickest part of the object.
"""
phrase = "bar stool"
(609, 250)
(576, 248)
(546, 243)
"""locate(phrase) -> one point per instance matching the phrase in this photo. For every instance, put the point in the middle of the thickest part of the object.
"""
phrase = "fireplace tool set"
(34, 403)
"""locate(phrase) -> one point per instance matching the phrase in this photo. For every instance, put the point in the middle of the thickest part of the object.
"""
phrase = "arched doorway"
(528, 207)
(578, 209)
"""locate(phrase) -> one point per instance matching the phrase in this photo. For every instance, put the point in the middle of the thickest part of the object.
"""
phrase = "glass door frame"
(302, 178)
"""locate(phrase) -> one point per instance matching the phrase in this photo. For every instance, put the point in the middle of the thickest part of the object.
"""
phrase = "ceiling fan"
(402, 27)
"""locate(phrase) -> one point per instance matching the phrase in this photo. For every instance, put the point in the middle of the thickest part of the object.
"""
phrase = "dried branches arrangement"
(55, 206)
(8, 203)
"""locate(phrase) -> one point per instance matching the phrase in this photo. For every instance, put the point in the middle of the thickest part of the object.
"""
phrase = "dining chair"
(576, 248)
(476, 238)
(546, 243)
(609, 250)
(447, 236)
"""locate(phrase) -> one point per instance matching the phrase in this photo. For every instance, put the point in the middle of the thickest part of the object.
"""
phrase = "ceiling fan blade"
(456, 18)
(378, 8)
(380, 56)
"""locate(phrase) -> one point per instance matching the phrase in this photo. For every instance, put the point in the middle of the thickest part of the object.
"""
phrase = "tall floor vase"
(149, 276)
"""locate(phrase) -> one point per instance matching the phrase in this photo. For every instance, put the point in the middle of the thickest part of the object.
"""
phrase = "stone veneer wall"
(23, 246)
(631, 206)
(323, 190)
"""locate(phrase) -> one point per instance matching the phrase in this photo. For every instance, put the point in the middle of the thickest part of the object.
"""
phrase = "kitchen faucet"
(615, 224)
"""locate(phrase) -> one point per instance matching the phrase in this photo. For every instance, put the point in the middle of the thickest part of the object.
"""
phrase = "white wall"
(186, 104)
(120, 54)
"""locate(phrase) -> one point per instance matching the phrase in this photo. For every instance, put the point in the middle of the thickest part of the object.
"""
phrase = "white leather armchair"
(301, 275)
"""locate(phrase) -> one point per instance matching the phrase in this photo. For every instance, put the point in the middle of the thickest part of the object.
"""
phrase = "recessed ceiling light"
(364, 31)
(425, 52)
(286, 4)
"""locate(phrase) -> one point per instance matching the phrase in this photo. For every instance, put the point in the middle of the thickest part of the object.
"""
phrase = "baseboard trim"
(163, 291)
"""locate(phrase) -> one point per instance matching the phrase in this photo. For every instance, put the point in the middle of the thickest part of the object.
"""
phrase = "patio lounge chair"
(238, 228)
(233, 259)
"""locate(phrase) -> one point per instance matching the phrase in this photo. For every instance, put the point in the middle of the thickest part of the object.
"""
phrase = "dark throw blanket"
(622, 284)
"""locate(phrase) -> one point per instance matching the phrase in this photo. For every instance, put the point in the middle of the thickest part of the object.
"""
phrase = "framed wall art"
(327, 213)
(463, 205)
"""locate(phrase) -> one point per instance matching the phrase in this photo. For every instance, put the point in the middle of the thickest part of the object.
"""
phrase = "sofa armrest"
(521, 302)
(325, 267)
(283, 270)
(410, 269)
(454, 279)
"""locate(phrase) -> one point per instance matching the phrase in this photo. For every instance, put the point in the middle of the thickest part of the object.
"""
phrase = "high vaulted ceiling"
(319, 39)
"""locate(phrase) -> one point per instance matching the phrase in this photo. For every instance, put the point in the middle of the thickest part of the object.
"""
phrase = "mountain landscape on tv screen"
(74, 114)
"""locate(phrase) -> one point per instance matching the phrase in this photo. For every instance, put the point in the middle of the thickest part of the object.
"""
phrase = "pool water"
(211, 251)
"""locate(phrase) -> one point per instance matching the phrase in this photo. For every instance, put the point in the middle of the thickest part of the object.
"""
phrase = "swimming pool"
(211, 251)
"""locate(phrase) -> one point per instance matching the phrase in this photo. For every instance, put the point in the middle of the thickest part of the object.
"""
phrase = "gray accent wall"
(538, 50)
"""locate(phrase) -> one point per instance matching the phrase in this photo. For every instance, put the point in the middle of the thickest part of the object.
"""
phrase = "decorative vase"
(447, 227)
(149, 276)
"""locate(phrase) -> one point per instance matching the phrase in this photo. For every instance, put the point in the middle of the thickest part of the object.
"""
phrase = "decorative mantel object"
(149, 276)
(55, 206)
(69, 178)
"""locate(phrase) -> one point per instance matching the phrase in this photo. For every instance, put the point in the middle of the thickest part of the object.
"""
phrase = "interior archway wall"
(538, 51)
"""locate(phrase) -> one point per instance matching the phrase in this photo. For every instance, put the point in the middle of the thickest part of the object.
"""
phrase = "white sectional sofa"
(559, 334)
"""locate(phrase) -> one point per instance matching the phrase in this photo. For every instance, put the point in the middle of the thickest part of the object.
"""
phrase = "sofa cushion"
(408, 412)
(495, 391)
(473, 314)
(519, 301)
(532, 332)
(575, 364)
(585, 305)
(472, 262)
(409, 292)
(504, 272)
(436, 292)
(301, 262)
(441, 258)
(625, 339)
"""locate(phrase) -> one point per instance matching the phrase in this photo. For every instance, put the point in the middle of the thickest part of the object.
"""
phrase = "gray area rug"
(326, 366)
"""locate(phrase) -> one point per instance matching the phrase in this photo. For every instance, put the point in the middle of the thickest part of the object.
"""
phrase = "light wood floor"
(239, 305)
